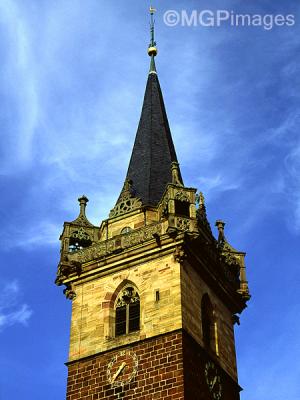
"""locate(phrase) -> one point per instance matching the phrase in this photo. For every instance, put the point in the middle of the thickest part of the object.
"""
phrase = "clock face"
(213, 380)
(122, 368)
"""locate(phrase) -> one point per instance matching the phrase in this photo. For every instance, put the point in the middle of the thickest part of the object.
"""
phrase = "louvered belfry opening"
(182, 208)
(127, 312)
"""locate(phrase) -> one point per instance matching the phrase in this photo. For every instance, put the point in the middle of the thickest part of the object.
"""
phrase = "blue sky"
(72, 79)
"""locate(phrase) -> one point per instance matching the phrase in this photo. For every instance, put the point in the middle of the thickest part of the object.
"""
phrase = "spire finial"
(152, 50)
(220, 225)
(83, 200)
(175, 173)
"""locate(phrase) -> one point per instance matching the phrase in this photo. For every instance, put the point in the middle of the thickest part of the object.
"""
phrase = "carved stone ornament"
(183, 224)
(80, 234)
(203, 221)
(164, 205)
(230, 259)
(201, 213)
(69, 292)
(128, 295)
(179, 254)
(66, 268)
(229, 262)
(82, 219)
(182, 195)
(231, 274)
(127, 201)
(228, 254)
(76, 267)
(175, 174)
(107, 247)
(126, 205)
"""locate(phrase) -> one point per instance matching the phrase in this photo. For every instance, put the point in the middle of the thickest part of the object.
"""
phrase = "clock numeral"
(213, 380)
(122, 368)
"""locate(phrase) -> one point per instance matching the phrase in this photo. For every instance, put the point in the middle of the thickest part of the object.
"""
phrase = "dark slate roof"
(153, 150)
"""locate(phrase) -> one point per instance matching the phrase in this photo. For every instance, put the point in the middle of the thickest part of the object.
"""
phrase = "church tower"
(154, 295)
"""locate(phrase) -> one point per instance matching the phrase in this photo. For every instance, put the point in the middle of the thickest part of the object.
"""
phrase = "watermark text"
(218, 18)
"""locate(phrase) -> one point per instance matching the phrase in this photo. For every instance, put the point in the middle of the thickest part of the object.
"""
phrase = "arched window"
(127, 229)
(79, 239)
(209, 325)
(127, 311)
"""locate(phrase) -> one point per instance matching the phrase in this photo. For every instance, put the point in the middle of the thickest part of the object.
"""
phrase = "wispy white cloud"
(12, 311)
(43, 233)
(71, 89)
(242, 148)
(21, 315)
(19, 77)
(86, 148)
(292, 183)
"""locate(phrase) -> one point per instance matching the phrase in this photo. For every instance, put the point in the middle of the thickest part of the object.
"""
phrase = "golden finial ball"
(152, 51)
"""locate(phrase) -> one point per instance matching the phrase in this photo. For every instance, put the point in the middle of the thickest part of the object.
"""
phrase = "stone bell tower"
(154, 294)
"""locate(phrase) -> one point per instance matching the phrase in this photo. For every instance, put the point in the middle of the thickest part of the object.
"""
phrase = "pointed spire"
(153, 163)
(152, 69)
(152, 50)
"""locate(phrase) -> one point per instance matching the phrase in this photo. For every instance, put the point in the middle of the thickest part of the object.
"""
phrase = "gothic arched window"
(127, 311)
(127, 229)
(209, 325)
(78, 240)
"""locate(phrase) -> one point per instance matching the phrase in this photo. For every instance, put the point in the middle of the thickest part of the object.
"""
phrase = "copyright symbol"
(171, 18)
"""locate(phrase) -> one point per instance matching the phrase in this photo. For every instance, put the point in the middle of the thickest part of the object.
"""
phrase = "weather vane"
(152, 50)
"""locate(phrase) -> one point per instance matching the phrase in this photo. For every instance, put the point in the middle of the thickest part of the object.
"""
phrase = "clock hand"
(120, 369)
(214, 382)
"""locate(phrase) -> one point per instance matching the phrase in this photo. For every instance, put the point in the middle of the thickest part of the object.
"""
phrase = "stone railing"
(118, 243)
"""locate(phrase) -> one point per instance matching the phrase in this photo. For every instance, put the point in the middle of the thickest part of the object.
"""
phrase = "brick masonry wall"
(159, 373)
(196, 387)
